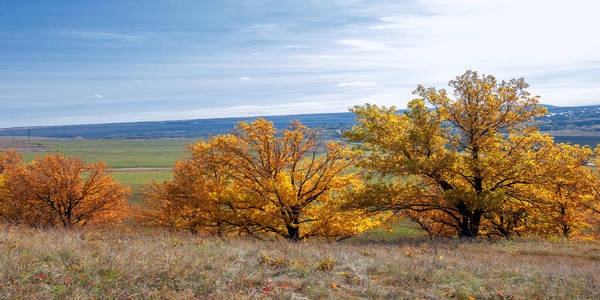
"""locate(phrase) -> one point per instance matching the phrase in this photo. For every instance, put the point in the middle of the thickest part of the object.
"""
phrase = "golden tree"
(257, 180)
(15, 204)
(467, 161)
(58, 190)
(563, 195)
(592, 215)
(8, 159)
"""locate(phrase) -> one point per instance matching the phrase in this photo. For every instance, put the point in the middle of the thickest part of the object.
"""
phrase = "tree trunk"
(293, 228)
(469, 225)
(293, 233)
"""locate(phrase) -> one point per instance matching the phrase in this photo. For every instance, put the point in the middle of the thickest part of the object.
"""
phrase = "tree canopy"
(470, 161)
(58, 191)
(257, 180)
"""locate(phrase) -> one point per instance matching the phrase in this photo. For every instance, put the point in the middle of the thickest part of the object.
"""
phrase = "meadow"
(86, 264)
(396, 263)
(142, 160)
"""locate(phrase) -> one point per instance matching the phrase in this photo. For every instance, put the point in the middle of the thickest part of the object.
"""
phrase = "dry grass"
(38, 264)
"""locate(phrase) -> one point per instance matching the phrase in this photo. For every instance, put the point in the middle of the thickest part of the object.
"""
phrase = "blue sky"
(69, 62)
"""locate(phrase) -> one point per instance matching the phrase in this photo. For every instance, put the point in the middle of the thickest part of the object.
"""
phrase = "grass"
(41, 264)
(120, 153)
(124, 264)
(402, 229)
(137, 182)
(142, 177)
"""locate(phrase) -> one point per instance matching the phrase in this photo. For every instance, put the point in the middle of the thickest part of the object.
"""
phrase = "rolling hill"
(575, 124)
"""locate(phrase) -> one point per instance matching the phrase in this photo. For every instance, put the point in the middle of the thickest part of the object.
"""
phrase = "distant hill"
(575, 124)
(329, 123)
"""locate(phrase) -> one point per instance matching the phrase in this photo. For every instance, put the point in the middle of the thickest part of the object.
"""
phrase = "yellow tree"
(257, 180)
(58, 190)
(458, 163)
(190, 200)
(592, 216)
(562, 198)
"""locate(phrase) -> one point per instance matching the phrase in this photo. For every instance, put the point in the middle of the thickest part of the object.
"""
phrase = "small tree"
(256, 180)
(58, 190)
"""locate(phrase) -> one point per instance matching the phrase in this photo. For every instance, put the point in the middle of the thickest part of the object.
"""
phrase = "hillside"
(332, 123)
(575, 124)
(80, 264)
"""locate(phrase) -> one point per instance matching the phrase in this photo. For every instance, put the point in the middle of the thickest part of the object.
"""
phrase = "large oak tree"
(469, 160)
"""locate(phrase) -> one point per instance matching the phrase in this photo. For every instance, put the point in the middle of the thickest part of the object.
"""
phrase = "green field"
(123, 153)
(155, 153)
(138, 178)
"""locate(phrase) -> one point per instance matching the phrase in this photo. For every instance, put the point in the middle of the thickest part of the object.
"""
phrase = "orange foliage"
(256, 180)
(57, 190)
(8, 159)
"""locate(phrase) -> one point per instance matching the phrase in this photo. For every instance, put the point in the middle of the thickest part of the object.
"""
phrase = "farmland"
(135, 161)
(120, 153)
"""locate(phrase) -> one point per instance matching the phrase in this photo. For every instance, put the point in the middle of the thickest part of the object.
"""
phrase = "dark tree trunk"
(293, 233)
(293, 228)
(470, 220)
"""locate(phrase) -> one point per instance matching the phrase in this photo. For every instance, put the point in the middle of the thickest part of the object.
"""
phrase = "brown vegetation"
(42, 264)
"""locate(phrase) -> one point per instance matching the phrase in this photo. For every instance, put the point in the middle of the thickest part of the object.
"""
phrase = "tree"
(15, 204)
(466, 161)
(58, 190)
(9, 159)
(257, 180)
(592, 215)
(563, 195)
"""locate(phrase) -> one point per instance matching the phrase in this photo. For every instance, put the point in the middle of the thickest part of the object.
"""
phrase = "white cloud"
(97, 35)
(304, 107)
(511, 34)
(98, 96)
(380, 58)
(364, 45)
(550, 43)
(357, 84)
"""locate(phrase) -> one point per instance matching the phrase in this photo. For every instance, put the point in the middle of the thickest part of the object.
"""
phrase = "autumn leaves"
(58, 191)
(257, 181)
(468, 163)
(475, 163)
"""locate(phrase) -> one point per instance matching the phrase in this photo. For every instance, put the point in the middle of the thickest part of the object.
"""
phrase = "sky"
(82, 62)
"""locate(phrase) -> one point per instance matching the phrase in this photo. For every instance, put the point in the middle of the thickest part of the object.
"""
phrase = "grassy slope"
(85, 264)
(375, 265)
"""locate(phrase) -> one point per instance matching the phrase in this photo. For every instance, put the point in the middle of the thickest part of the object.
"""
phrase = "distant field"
(138, 178)
(119, 153)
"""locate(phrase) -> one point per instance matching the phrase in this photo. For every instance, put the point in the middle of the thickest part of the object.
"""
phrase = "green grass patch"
(119, 153)
(404, 228)
(136, 178)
